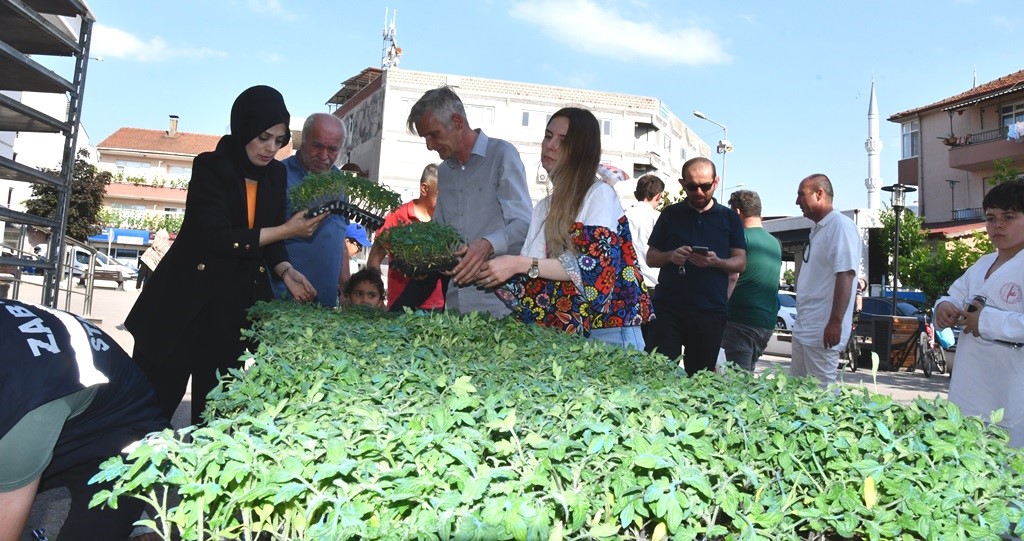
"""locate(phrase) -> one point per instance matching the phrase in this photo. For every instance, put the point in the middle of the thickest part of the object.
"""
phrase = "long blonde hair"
(572, 176)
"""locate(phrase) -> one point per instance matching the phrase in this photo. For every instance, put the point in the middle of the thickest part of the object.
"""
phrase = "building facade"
(948, 149)
(640, 134)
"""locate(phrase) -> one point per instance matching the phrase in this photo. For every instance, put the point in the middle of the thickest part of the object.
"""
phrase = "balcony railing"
(968, 214)
(986, 136)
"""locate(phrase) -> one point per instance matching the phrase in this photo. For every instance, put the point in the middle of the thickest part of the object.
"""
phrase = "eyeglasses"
(706, 187)
(807, 251)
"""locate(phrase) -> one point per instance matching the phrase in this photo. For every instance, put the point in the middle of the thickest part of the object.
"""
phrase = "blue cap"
(357, 233)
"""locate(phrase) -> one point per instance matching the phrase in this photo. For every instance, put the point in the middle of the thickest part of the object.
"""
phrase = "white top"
(601, 207)
(642, 217)
(834, 247)
(990, 375)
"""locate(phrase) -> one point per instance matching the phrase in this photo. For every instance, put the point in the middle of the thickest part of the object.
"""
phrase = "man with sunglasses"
(825, 283)
(697, 243)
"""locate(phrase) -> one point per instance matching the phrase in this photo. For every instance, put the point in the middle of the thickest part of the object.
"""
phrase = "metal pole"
(952, 201)
(896, 260)
(725, 154)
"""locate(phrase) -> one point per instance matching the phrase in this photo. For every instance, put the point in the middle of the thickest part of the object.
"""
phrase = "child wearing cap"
(355, 241)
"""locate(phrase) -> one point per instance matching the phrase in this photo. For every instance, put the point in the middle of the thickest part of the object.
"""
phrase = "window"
(128, 206)
(132, 164)
(533, 118)
(181, 172)
(911, 139)
(1012, 114)
(606, 127)
(480, 116)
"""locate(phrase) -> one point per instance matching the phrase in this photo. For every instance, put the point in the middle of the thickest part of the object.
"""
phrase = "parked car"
(787, 311)
(81, 264)
(882, 306)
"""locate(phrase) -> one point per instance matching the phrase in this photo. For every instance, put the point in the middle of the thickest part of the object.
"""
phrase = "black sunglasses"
(807, 251)
(703, 187)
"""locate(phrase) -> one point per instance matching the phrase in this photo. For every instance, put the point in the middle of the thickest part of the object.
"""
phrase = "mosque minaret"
(874, 147)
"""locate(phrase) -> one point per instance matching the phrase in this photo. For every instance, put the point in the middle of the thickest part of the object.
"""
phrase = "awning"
(117, 235)
(983, 97)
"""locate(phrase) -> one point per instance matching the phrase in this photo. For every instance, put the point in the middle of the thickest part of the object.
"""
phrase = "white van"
(103, 263)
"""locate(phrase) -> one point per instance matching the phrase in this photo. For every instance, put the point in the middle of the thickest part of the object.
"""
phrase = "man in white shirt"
(642, 217)
(825, 283)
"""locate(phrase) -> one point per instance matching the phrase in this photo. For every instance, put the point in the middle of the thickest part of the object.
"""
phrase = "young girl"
(578, 270)
(988, 301)
(365, 288)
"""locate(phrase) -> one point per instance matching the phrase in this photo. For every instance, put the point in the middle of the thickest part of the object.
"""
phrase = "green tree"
(932, 268)
(912, 237)
(789, 277)
(1004, 172)
(88, 186)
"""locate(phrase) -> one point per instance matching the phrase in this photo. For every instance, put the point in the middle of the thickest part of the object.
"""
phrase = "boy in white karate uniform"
(988, 300)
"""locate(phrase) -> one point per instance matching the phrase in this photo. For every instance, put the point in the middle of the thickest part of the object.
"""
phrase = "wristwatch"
(534, 269)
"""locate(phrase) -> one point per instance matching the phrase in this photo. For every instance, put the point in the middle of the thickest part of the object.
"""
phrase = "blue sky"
(791, 80)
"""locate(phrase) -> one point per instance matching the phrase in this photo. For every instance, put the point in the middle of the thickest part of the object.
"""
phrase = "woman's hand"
(497, 271)
(298, 285)
(300, 226)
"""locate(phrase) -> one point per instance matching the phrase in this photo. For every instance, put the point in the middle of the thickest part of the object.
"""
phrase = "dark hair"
(1005, 196)
(747, 202)
(573, 175)
(442, 102)
(365, 275)
(647, 187)
(821, 182)
(692, 162)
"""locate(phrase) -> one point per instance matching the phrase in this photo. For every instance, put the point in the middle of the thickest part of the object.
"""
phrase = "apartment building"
(640, 134)
(949, 147)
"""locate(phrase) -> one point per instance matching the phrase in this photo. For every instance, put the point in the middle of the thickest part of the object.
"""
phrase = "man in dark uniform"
(70, 398)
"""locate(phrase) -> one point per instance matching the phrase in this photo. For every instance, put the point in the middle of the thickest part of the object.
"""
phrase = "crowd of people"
(692, 280)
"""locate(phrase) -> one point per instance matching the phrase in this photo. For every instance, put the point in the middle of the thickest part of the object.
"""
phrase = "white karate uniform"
(989, 374)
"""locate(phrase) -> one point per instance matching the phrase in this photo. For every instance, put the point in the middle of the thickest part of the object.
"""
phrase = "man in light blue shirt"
(482, 193)
(319, 258)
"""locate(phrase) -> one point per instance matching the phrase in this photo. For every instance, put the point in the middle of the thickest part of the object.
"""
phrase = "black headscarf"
(255, 111)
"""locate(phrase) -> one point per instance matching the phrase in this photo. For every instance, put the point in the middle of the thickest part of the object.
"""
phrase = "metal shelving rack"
(33, 28)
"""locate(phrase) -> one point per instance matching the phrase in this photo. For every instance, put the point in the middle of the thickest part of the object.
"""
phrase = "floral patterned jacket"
(606, 288)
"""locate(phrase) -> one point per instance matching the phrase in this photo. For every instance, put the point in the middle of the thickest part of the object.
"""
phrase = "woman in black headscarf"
(187, 320)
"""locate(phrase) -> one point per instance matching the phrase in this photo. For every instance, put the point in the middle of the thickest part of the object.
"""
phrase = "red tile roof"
(1011, 82)
(185, 143)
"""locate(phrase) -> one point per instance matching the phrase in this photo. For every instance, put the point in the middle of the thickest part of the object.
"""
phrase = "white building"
(640, 134)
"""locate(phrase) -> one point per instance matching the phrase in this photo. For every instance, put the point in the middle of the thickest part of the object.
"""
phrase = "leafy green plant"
(358, 198)
(1004, 172)
(381, 426)
(420, 247)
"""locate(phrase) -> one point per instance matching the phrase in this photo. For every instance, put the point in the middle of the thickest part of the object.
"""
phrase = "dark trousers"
(211, 344)
(144, 272)
(82, 523)
(699, 332)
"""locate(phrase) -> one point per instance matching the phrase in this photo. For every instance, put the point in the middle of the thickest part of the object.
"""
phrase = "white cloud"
(110, 42)
(586, 26)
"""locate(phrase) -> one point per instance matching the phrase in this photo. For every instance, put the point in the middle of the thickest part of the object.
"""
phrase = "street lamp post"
(952, 189)
(724, 146)
(898, 203)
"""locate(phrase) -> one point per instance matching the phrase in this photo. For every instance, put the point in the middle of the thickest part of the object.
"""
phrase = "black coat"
(216, 257)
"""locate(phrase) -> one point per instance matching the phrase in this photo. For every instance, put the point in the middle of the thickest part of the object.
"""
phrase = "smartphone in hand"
(702, 250)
